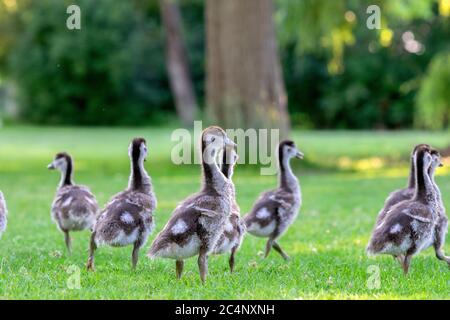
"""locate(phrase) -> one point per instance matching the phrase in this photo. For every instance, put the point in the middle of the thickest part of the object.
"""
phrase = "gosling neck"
(228, 163)
(139, 178)
(227, 169)
(287, 179)
(67, 175)
(212, 176)
(437, 191)
(424, 185)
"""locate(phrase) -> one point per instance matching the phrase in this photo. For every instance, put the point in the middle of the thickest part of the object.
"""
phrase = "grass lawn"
(345, 179)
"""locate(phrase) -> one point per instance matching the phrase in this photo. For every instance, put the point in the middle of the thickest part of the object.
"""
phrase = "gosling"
(74, 207)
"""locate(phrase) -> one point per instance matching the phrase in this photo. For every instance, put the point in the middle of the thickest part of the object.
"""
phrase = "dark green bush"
(112, 71)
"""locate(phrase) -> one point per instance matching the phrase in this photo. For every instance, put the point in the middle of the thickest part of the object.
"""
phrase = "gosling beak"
(299, 155)
(51, 166)
(441, 165)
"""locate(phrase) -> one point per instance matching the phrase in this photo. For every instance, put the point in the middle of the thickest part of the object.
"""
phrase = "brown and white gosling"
(234, 229)
(3, 214)
(74, 207)
(409, 227)
(277, 209)
(197, 222)
(127, 219)
(402, 194)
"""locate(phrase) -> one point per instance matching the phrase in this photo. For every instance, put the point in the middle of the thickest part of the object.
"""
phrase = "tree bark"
(177, 63)
(245, 87)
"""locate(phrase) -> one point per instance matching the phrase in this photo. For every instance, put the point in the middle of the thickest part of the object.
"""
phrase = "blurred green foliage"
(112, 71)
(338, 73)
(434, 96)
(86, 76)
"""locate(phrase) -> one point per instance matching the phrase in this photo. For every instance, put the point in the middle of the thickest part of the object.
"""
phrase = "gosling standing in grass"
(3, 214)
(74, 207)
(234, 229)
(128, 217)
(410, 226)
(277, 209)
(197, 223)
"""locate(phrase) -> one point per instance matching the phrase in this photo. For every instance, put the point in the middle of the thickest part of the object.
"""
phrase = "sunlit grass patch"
(326, 243)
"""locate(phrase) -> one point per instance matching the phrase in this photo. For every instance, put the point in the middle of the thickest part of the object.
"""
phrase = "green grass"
(345, 179)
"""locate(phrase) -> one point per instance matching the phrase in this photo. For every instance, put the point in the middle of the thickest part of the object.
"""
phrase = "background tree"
(245, 87)
(177, 62)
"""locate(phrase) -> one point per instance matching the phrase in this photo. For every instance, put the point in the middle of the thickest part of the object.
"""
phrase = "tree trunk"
(245, 87)
(177, 63)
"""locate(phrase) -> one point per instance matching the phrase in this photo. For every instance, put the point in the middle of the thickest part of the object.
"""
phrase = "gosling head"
(419, 147)
(424, 159)
(62, 162)
(138, 151)
(287, 150)
(216, 135)
(214, 139)
(436, 161)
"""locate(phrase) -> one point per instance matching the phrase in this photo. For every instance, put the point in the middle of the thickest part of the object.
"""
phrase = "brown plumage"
(74, 207)
(127, 219)
(197, 223)
(277, 209)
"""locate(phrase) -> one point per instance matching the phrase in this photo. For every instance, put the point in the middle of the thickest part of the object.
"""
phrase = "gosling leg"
(269, 245)
(231, 261)
(439, 243)
(278, 249)
(406, 264)
(203, 265)
(68, 241)
(90, 264)
(179, 266)
(135, 254)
